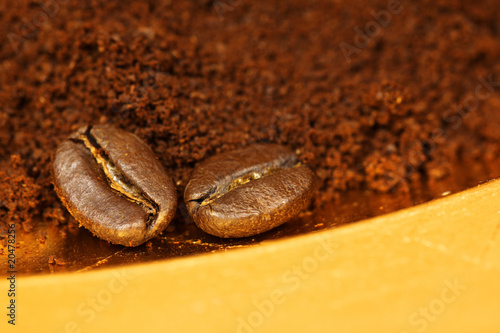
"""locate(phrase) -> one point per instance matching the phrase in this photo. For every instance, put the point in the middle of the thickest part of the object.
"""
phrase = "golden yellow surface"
(430, 268)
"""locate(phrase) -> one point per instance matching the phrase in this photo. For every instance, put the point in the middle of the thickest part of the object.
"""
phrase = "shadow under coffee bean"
(113, 184)
(248, 191)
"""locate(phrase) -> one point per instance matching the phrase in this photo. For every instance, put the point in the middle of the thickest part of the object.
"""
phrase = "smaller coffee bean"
(113, 185)
(248, 191)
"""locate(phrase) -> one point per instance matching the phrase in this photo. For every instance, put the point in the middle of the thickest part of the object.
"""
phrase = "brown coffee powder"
(194, 79)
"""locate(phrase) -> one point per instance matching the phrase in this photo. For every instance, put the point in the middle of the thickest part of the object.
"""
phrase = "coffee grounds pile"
(403, 99)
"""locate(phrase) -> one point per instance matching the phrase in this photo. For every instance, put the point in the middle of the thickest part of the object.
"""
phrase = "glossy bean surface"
(113, 184)
(248, 191)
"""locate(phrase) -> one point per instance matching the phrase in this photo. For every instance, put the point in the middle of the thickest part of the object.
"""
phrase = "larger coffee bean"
(248, 191)
(113, 185)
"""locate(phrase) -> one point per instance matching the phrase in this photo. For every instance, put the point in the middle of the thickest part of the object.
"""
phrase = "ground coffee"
(369, 93)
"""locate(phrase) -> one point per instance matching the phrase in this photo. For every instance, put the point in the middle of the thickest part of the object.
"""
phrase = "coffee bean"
(113, 185)
(248, 191)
